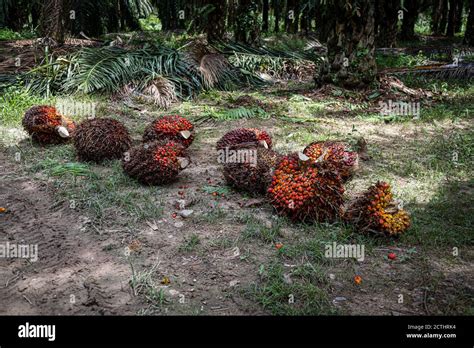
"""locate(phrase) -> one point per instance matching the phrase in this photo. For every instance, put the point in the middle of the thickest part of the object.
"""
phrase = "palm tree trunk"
(409, 19)
(350, 61)
(386, 21)
(469, 34)
(265, 10)
(276, 14)
(215, 27)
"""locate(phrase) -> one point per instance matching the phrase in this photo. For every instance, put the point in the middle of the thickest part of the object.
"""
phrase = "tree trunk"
(276, 14)
(469, 34)
(324, 22)
(458, 25)
(288, 15)
(452, 17)
(265, 10)
(436, 15)
(53, 16)
(444, 19)
(246, 29)
(386, 21)
(410, 17)
(215, 27)
(350, 61)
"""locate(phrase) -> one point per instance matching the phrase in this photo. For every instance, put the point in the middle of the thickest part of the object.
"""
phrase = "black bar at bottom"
(237, 330)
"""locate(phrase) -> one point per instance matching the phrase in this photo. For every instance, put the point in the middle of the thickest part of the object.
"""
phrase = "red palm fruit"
(99, 139)
(47, 126)
(321, 198)
(170, 128)
(336, 153)
(253, 176)
(245, 137)
(375, 211)
(154, 163)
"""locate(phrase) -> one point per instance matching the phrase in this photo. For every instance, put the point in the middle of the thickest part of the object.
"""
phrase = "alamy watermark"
(227, 155)
(355, 251)
(394, 108)
(21, 251)
(76, 109)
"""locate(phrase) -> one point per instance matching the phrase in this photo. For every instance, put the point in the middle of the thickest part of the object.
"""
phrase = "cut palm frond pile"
(161, 74)
(281, 64)
(157, 74)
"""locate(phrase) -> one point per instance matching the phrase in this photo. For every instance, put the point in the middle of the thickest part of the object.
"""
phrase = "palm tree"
(469, 34)
(350, 59)
(215, 27)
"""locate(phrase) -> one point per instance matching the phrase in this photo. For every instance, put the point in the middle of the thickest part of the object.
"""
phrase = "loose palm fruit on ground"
(170, 128)
(376, 211)
(47, 126)
(99, 139)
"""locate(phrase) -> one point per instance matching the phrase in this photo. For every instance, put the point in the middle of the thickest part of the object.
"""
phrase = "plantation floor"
(115, 247)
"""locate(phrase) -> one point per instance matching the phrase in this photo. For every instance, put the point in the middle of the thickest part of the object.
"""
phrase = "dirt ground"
(81, 271)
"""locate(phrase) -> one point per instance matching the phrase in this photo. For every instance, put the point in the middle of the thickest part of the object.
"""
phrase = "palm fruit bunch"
(306, 191)
(245, 137)
(99, 139)
(170, 128)
(155, 163)
(344, 161)
(47, 126)
(376, 211)
(253, 175)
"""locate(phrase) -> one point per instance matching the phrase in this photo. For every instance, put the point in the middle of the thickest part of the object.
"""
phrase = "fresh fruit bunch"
(245, 137)
(171, 127)
(253, 175)
(346, 162)
(154, 163)
(99, 139)
(306, 191)
(47, 126)
(376, 211)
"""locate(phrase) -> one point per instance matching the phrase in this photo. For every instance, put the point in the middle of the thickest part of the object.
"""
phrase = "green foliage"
(278, 61)
(8, 34)
(73, 169)
(400, 60)
(190, 243)
(151, 23)
(109, 69)
(15, 101)
(304, 295)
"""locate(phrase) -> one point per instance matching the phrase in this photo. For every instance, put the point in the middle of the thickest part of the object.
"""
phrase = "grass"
(7, 34)
(190, 243)
(15, 101)
(143, 283)
(304, 294)
(268, 233)
(102, 190)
